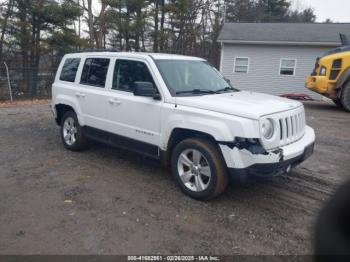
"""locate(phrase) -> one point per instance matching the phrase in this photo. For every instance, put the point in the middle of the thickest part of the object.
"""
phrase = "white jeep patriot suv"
(179, 110)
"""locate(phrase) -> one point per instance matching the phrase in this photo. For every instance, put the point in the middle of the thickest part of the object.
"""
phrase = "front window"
(127, 72)
(192, 77)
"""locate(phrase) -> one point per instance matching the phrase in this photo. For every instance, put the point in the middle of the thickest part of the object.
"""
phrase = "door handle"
(78, 94)
(114, 101)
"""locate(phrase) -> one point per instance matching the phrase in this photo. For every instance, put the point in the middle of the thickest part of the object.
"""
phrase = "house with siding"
(275, 58)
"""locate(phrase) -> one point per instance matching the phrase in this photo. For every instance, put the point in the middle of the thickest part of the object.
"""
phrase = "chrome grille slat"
(291, 126)
(296, 125)
(284, 130)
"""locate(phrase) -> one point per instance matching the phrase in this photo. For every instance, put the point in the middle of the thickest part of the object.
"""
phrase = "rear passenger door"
(91, 92)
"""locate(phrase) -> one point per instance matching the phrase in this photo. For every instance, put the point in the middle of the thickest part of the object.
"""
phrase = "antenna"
(344, 39)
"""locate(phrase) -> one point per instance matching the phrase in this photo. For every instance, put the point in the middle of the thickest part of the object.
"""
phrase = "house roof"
(285, 33)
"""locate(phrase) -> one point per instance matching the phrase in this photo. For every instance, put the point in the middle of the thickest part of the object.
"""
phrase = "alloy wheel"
(194, 170)
(70, 131)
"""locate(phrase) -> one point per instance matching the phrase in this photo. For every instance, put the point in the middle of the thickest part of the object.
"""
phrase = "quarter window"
(127, 72)
(241, 65)
(69, 69)
(288, 67)
(95, 72)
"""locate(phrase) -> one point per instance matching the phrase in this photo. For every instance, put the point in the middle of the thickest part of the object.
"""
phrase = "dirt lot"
(107, 201)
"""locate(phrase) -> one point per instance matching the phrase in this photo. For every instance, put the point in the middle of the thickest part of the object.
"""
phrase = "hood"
(244, 104)
(337, 50)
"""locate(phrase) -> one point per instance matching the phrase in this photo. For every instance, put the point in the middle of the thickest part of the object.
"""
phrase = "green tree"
(39, 24)
(273, 10)
(241, 11)
(304, 16)
(7, 11)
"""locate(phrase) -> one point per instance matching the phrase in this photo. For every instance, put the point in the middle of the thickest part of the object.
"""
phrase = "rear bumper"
(275, 162)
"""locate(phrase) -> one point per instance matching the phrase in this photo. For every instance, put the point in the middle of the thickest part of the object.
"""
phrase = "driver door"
(135, 118)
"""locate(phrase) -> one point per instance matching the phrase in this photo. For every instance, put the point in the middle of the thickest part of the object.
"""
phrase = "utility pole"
(8, 81)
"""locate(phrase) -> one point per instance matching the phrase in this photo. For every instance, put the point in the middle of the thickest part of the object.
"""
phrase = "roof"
(285, 33)
(156, 56)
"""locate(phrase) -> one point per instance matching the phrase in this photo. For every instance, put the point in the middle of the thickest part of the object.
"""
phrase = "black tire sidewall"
(80, 141)
(345, 96)
(210, 191)
(337, 102)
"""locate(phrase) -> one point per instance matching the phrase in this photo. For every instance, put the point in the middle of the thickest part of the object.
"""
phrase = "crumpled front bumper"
(275, 162)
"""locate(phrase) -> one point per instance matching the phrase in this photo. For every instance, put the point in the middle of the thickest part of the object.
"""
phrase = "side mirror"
(227, 80)
(146, 89)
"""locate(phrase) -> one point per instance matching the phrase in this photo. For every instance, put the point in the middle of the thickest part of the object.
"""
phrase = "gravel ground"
(108, 201)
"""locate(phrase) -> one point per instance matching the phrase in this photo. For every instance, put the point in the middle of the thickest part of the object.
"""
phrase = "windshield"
(192, 77)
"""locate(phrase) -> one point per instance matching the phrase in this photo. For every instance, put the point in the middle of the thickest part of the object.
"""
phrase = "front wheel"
(199, 169)
(345, 97)
(71, 132)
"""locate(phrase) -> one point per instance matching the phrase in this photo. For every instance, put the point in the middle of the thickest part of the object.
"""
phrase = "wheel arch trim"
(71, 102)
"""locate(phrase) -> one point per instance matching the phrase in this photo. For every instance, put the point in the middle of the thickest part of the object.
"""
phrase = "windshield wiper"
(196, 91)
(226, 89)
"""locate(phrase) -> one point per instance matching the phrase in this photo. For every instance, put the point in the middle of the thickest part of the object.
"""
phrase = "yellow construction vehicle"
(331, 76)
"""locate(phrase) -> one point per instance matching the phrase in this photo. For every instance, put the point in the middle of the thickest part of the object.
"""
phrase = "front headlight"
(323, 71)
(267, 128)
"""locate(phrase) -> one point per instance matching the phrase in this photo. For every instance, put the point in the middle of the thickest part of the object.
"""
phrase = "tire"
(337, 102)
(199, 169)
(345, 97)
(332, 231)
(71, 132)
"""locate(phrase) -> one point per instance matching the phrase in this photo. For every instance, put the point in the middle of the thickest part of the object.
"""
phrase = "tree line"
(41, 31)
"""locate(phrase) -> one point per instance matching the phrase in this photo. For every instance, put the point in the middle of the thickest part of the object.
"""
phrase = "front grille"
(291, 126)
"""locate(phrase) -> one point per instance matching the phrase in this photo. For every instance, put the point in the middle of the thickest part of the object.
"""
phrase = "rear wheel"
(345, 97)
(71, 132)
(199, 169)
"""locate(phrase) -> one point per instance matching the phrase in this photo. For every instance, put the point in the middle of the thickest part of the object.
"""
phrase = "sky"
(336, 10)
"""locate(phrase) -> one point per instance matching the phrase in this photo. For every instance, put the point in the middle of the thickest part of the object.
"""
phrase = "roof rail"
(97, 50)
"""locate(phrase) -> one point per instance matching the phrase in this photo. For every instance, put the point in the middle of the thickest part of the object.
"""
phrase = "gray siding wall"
(264, 66)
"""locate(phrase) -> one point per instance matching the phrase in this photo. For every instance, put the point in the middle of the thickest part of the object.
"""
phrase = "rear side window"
(95, 72)
(69, 70)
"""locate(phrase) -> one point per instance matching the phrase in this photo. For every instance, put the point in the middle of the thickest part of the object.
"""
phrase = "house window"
(241, 65)
(288, 67)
